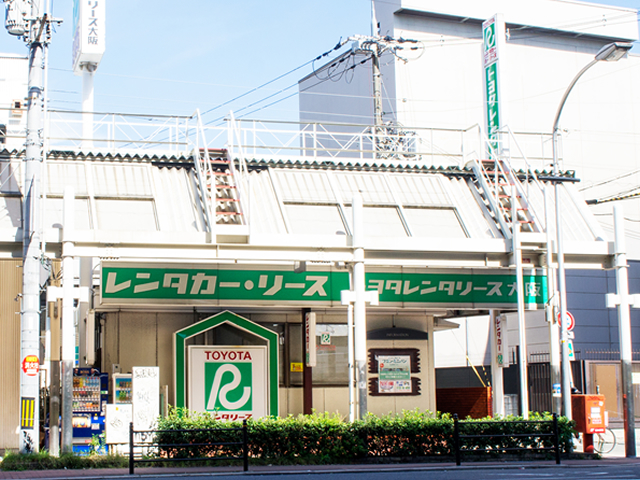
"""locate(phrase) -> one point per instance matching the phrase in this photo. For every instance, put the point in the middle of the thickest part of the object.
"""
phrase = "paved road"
(613, 468)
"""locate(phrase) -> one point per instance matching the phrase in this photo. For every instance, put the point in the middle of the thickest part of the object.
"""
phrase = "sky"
(168, 57)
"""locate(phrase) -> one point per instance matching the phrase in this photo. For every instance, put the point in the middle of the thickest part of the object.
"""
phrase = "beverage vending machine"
(121, 388)
(90, 397)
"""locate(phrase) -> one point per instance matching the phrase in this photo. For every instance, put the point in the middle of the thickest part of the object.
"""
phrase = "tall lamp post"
(609, 53)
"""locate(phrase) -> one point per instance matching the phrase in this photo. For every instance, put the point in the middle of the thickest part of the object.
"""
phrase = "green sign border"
(179, 352)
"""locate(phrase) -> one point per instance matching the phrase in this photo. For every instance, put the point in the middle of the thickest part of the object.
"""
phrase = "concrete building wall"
(11, 275)
(14, 70)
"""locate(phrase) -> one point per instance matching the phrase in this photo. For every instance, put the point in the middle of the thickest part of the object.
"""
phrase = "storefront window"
(331, 354)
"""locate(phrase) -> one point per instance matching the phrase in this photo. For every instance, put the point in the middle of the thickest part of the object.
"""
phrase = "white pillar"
(624, 330)
(497, 348)
(359, 313)
(554, 330)
(350, 356)
(86, 280)
(87, 106)
(431, 364)
(522, 329)
(68, 328)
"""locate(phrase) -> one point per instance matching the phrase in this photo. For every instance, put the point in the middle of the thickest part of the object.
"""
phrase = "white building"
(435, 97)
(171, 235)
(13, 111)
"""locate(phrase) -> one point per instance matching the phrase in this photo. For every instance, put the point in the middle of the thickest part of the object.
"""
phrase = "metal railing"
(459, 438)
(161, 451)
(244, 138)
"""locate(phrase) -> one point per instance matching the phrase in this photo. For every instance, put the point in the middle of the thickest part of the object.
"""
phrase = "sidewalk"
(310, 469)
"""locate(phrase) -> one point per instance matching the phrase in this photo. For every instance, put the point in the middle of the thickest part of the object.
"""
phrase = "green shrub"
(44, 461)
(486, 430)
(325, 438)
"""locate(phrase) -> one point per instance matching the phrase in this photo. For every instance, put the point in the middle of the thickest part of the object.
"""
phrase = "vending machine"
(121, 388)
(90, 396)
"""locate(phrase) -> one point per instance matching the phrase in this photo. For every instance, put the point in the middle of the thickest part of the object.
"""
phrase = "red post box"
(588, 413)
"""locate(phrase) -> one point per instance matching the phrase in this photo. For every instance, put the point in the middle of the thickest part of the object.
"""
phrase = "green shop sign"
(490, 52)
(146, 284)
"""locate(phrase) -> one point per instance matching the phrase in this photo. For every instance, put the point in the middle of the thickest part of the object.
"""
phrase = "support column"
(552, 322)
(359, 313)
(624, 330)
(86, 280)
(68, 328)
(522, 328)
(498, 352)
(309, 333)
(431, 365)
(87, 106)
(351, 360)
(54, 389)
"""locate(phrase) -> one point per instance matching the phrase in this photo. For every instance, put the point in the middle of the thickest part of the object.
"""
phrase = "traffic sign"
(572, 354)
(570, 320)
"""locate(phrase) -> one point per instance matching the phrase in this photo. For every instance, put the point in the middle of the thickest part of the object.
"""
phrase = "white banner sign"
(117, 423)
(145, 397)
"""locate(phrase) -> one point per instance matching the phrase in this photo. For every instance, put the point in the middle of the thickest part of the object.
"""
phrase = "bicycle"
(604, 442)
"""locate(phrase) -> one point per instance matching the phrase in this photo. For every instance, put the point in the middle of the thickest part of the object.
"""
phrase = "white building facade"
(435, 96)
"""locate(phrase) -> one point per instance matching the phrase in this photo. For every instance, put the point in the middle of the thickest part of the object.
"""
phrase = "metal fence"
(144, 447)
(481, 434)
(251, 138)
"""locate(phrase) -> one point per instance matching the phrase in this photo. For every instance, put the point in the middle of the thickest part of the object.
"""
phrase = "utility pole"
(33, 25)
(377, 76)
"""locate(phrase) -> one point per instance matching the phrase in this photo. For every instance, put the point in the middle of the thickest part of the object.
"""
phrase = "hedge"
(44, 461)
(325, 439)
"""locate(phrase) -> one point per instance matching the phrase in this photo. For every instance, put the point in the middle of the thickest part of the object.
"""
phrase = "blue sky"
(168, 57)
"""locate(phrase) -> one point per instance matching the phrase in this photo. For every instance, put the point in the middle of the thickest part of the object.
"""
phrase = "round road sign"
(31, 365)
(570, 320)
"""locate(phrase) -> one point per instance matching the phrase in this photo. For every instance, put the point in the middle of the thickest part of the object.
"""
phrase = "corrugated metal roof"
(169, 183)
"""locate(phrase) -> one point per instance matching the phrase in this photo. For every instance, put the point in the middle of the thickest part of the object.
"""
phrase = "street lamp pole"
(609, 53)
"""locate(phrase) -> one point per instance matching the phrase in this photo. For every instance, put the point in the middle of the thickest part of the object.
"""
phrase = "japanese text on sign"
(167, 285)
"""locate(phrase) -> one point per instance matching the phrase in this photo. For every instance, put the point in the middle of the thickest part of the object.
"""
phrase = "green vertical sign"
(493, 114)
(491, 79)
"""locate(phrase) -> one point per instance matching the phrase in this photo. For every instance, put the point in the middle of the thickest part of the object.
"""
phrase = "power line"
(295, 93)
(325, 54)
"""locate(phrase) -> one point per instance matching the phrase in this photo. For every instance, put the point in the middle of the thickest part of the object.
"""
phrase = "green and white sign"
(394, 374)
(153, 285)
(490, 35)
(233, 382)
(228, 382)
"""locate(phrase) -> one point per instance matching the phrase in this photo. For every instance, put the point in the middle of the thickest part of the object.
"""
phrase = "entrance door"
(606, 377)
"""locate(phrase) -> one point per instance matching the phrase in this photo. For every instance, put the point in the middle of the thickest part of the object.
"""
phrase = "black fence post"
(456, 438)
(245, 446)
(556, 438)
(131, 448)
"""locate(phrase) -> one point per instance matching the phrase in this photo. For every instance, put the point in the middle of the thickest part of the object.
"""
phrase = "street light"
(609, 53)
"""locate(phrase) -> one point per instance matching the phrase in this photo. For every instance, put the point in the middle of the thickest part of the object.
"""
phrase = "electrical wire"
(325, 54)
(281, 99)
(611, 180)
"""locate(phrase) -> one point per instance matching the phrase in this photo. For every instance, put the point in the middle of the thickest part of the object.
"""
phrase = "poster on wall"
(228, 382)
(394, 374)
